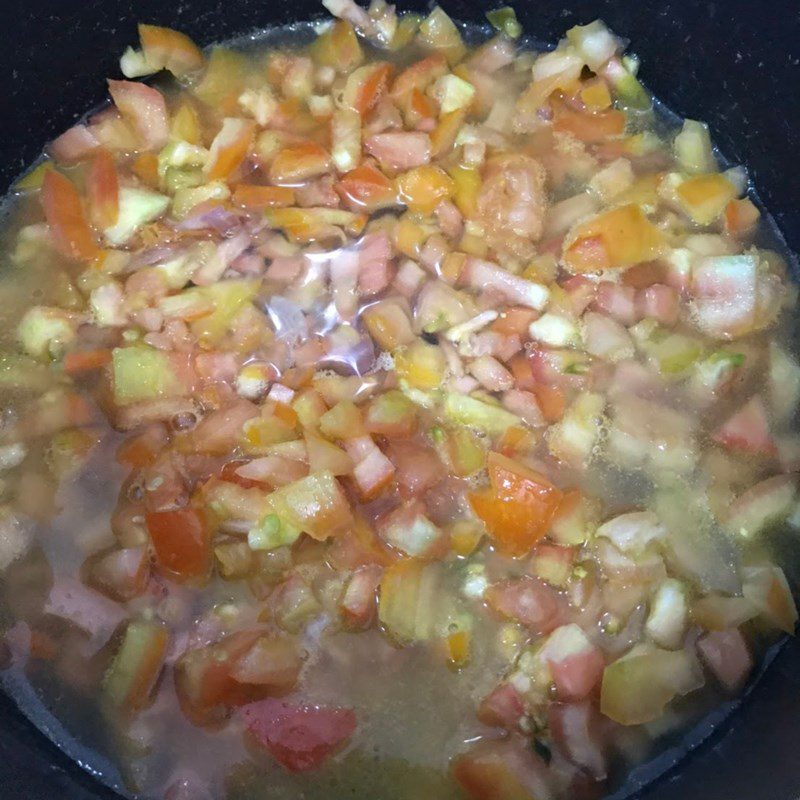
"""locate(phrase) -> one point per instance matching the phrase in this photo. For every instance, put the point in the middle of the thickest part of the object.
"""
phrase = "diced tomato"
(518, 507)
(71, 233)
(502, 707)
(358, 546)
(741, 217)
(299, 162)
(365, 86)
(375, 271)
(400, 150)
(528, 601)
(299, 737)
(74, 145)
(119, 573)
(577, 731)
(506, 769)
(640, 276)
(577, 666)
(84, 607)
(145, 168)
(230, 474)
(77, 362)
(588, 127)
(204, 683)
(366, 188)
(229, 148)
(409, 530)
(145, 109)
(658, 302)
(591, 253)
(358, 605)
(581, 293)
(102, 187)
(165, 48)
(417, 467)
(219, 432)
(725, 290)
(373, 471)
(520, 367)
(273, 662)
(727, 655)
(747, 429)
(418, 76)
(182, 542)
(143, 449)
(618, 301)
(250, 196)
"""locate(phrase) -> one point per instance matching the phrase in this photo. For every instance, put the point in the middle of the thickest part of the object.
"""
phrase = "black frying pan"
(734, 64)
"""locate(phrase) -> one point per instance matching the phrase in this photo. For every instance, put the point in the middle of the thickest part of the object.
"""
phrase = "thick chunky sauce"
(388, 417)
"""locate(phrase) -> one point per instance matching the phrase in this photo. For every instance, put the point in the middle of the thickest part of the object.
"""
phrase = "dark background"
(733, 64)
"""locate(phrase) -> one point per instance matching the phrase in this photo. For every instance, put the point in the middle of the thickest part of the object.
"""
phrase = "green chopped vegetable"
(637, 687)
(228, 297)
(693, 148)
(408, 599)
(187, 197)
(464, 410)
(142, 373)
(629, 90)
(314, 505)
(272, 532)
(504, 20)
(135, 669)
(137, 207)
(45, 332)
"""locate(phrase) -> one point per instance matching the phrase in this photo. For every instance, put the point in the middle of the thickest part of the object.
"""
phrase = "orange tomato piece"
(102, 188)
(514, 320)
(422, 188)
(78, 361)
(705, 197)
(165, 48)
(588, 127)
(741, 216)
(551, 401)
(249, 196)
(443, 136)
(299, 162)
(365, 87)
(617, 238)
(338, 47)
(63, 211)
(420, 107)
(418, 76)
(181, 541)
(595, 94)
(142, 450)
(145, 168)
(144, 109)
(518, 505)
(366, 188)
(229, 148)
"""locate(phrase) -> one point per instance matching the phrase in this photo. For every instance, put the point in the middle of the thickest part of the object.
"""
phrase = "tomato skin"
(145, 109)
(102, 186)
(204, 683)
(518, 506)
(366, 188)
(505, 769)
(299, 737)
(578, 675)
(182, 542)
(528, 601)
(71, 233)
